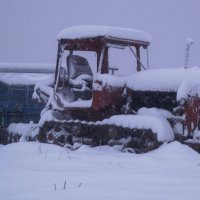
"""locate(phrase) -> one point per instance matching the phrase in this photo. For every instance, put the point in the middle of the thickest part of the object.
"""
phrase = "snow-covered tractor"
(97, 106)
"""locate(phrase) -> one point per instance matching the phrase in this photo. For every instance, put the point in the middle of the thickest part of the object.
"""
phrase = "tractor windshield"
(74, 77)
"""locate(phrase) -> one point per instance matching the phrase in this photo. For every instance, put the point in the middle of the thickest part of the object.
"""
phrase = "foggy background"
(29, 28)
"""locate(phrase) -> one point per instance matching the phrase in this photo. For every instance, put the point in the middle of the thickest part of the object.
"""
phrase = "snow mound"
(177, 152)
(30, 147)
(22, 129)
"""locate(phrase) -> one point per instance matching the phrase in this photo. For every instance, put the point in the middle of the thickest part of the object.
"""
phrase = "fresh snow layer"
(26, 78)
(166, 80)
(158, 125)
(155, 112)
(30, 171)
(109, 31)
(26, 74)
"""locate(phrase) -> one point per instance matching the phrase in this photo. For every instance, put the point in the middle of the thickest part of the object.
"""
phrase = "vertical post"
(57, 61)
(147, 58)
(104, 67)
(138, 58)
(98, 59)
(189, 42)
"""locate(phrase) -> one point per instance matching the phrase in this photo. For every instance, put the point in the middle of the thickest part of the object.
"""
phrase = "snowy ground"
(28, 171)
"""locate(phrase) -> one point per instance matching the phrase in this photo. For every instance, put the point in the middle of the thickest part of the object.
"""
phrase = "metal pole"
(189, 42)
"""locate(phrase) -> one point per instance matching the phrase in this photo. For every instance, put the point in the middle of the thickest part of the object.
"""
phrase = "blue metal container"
(16, 89)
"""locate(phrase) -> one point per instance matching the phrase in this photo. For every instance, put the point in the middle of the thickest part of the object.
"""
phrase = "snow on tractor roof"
(108, 31)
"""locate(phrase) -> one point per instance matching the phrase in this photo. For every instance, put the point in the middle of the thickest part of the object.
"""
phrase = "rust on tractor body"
(191, 111)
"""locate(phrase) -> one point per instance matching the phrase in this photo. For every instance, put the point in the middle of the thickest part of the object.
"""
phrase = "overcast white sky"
(29, 27)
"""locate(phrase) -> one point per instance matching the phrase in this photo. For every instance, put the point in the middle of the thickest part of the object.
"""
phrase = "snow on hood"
(180, 80)
(94, 31)
(183, 81)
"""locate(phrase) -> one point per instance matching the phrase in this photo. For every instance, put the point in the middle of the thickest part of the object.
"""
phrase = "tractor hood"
(180, 80)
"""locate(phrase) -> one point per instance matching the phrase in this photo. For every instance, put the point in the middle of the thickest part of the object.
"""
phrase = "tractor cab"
(75, 79)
